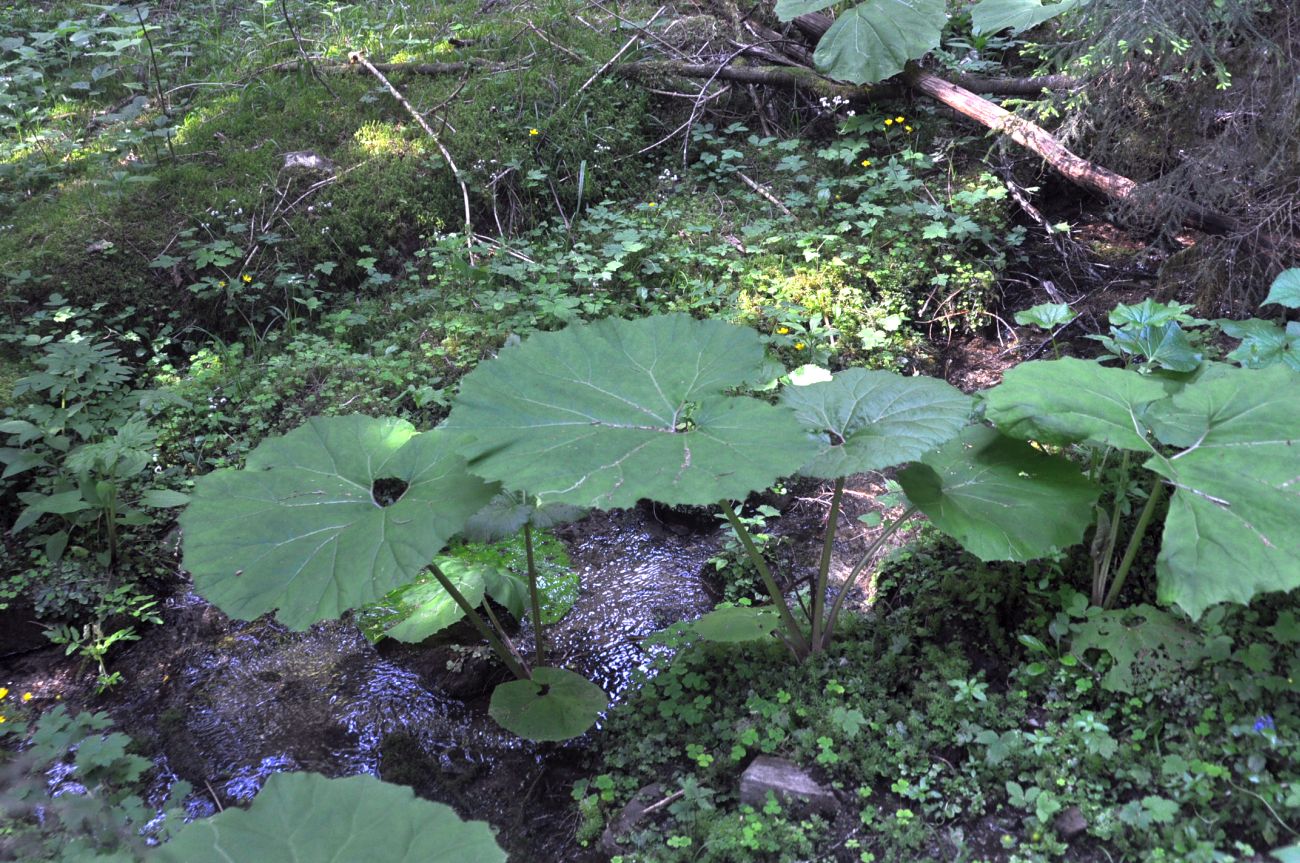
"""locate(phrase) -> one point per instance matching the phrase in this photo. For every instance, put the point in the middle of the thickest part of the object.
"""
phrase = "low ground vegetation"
(179, 295)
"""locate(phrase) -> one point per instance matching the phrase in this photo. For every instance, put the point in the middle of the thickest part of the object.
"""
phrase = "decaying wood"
(356, 57)
(1037, 139)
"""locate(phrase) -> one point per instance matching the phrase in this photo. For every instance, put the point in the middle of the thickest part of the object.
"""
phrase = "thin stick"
(823, 571)
(1135, 541)
(539, 632)
(763, 191)
(157, 77)
(621, 51)
(794, 633)
(284, 10)
(358, 57)
(867, 556)
(506, 656)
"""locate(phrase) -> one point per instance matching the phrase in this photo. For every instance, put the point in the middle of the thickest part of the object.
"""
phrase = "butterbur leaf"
(1001, 498)
(1285, 290)
(605, 414)
(305, 816)
(1046, 316)
(1164, 346)
(1231, 529)
(788, 10)
(508, 512)
(875, 39)
(992, 16)
(869, 420)
(737, 623)
(1070, 401)
(423, 609)
(1140, 638)
(333, 515)
(555, 704)
(1263, 343)
(164, 498)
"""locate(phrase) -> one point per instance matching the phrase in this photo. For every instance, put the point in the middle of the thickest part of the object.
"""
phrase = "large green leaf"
(508, 512)
(1070, 400)
(1285, 290)
(307, 531)
(1232, 530)
(556, 704)
(307, 817)
(788, 10)
(736, 623)
(875, 39)
(1264, 343)
(868, 420)
(991, 16)
(605, 414)
(1046, 315)
(1001, 498)
(422, 608)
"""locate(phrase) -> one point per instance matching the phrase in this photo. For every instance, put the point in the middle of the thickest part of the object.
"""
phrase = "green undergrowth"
(85, 209)
(963, 718)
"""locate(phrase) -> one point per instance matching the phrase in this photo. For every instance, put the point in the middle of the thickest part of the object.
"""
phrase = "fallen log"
(1078, 170)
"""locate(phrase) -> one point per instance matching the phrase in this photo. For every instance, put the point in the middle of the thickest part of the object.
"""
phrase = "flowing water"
(226, 703)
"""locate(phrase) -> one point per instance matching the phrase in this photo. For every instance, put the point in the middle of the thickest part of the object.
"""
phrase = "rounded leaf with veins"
(555, 704)
(305, 816)
(605, 414)
(331, 516)
(870, 420)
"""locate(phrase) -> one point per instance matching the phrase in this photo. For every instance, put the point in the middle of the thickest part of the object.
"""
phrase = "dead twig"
(764, 192)
(359, 58)
(621, 51)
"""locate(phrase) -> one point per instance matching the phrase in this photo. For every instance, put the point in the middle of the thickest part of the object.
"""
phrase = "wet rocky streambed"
(223, 704)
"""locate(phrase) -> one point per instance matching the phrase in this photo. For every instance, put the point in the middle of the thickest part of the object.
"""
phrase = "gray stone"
(307, 162)
(632, 815)
(1070, 822)
(791, 784)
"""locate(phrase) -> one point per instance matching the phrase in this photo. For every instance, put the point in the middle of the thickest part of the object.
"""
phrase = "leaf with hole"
(605, 414)
(305, 816)
(331, 516)
(869, 420)
(1001, 498)
(556, 704)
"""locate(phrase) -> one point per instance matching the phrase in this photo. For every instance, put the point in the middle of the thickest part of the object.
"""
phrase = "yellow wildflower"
(651, 204)
(798, 346)
(899, 119)
(221, 283)
(4, 692)
(866, 163)
(533, 133)
(782, 330)
(3, 720)
(247, 278)
(889, 122)
(908, 128)
(27, 696)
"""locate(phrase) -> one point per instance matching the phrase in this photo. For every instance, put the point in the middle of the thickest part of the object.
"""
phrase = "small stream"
(227, 703)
